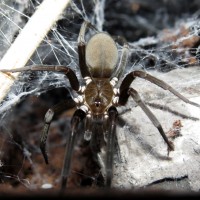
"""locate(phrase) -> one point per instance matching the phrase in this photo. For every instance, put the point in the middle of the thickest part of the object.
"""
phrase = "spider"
(98, 98)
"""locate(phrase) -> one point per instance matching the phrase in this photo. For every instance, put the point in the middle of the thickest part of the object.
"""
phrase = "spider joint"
(113, 81)
(81, 89)
(106, 115)
(115, 100)
(79, 99)
(84, 108)
(87, 79)
(115, 91)
(49, 116)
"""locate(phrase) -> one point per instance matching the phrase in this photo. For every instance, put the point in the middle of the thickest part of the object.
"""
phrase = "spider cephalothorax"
(98, 95)
(97, 100)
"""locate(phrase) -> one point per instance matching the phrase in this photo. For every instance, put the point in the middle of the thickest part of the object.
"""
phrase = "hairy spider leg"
(134, 94)
(112, 114)
(81, 48)
(78, 116)
(123, 58)
(141, 74)
(126, 91)
(56, 109)
(54, 68)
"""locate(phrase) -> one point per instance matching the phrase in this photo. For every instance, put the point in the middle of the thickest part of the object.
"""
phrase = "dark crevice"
(169, 179)
(180, 182)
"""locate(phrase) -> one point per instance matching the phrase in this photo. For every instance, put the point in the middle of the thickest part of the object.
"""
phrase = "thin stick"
(29, 39)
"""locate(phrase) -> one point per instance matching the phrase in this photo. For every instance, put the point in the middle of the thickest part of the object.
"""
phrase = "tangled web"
(159, 40)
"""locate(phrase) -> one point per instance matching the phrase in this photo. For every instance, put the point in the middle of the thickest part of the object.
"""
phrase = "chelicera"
(98, 98)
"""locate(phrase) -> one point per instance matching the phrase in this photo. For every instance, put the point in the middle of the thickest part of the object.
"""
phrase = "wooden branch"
(29, 39)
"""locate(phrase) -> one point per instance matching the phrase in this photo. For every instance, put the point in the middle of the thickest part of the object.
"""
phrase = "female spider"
(97, 100)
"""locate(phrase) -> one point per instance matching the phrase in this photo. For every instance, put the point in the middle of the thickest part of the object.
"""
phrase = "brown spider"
(98, 98)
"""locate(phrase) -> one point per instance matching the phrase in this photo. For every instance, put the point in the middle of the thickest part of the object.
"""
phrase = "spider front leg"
(113, 114)
(141, 74)
(123, 58)
(58, 108)
(81, 48)
(78, 116)
(54, 68)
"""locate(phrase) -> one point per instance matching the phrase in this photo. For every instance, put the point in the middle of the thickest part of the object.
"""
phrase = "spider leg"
(55, 68)
(113, 114)
(141, 74)
(77, 117)
(58, 108)
(123, 58)
(134, 94)
(81, 48)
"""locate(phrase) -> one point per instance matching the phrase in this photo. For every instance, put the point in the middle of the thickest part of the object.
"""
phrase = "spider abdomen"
(101, 55)
(99, 95)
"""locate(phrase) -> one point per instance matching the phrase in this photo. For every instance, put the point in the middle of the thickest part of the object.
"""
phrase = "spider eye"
(97, 102)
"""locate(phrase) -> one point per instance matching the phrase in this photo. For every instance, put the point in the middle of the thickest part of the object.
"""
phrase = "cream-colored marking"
(84, 108)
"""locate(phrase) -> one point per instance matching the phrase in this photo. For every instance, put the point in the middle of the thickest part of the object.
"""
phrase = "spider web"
(159, 41)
